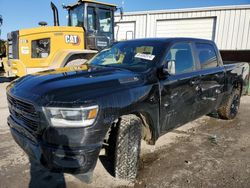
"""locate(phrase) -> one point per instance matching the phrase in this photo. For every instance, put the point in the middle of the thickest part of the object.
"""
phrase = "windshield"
(76, 16)
(133, 55)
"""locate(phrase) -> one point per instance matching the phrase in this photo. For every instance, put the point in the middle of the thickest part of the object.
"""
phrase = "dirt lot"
(205, 153)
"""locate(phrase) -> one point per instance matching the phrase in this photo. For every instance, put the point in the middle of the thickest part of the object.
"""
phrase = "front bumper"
(57, 158)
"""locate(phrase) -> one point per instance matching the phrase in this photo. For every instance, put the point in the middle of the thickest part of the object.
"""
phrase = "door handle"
(219, 76)
(194, 82)
(209, 98)
(218, 91)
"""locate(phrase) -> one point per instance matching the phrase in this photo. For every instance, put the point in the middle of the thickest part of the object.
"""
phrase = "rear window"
(207, 55)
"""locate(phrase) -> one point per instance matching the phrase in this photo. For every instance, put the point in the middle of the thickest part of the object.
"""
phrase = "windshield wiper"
(117, 67)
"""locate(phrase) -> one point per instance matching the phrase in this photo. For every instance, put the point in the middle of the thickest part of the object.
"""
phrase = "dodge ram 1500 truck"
(133, 90)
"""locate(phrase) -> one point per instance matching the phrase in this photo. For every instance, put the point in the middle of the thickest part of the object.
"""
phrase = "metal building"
(228, 26)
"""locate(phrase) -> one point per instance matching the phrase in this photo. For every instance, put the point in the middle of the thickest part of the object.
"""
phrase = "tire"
(125, 146)
(230, 108)
(76, 62)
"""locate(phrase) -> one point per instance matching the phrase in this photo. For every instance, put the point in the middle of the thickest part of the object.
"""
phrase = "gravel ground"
(208, 152)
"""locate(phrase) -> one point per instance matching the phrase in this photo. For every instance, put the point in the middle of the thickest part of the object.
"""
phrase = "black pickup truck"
(134, 90)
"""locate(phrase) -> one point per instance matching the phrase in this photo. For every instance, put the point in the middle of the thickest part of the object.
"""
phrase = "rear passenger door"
(212, 77)
(179, 90)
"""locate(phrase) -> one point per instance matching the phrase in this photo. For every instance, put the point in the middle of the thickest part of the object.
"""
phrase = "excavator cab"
(97, 20)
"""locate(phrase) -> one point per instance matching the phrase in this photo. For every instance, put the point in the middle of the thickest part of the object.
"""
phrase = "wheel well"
(147, 129)
(238, 85)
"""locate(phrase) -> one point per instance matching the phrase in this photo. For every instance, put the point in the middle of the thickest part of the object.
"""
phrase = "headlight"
(71, 117)
(40, 48)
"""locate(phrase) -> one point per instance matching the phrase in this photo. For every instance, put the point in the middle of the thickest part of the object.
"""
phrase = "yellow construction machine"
(90, 29)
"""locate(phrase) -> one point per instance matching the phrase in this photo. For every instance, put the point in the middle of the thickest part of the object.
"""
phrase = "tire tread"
(127, 149)
(224, 110)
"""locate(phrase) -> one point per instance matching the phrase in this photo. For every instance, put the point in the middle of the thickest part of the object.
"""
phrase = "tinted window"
(76, 16)
(207, 55)
(105, 20)
(91, 19)
(181, 53)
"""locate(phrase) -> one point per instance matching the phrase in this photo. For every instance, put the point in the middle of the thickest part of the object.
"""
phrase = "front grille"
(24, 114)
(13, 42)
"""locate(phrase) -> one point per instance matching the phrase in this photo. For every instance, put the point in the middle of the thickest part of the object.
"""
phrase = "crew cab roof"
(173, 40)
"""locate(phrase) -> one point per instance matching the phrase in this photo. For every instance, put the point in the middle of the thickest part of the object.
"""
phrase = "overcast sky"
(18, 14)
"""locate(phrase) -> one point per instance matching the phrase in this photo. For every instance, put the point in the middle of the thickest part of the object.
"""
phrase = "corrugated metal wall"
(232, 26)
(140, 22)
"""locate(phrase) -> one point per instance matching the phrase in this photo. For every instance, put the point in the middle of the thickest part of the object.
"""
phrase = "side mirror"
(169, 67)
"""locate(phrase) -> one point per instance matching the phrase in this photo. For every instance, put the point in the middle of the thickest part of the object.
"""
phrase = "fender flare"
(61, 57)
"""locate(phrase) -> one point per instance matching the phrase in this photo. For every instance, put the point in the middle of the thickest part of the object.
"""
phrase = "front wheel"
(126, 147)
(230, 108)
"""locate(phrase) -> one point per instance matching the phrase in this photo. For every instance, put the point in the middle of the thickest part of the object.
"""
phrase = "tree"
(2, 46)
(1, 23)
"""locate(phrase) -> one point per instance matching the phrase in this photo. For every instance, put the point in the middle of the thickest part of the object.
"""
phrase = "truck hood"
(72, 84)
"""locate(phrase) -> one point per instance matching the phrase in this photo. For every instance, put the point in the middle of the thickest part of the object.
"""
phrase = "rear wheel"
(124, 147)
(230, 108)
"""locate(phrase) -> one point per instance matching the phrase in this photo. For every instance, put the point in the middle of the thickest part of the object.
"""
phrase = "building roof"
(199, 9)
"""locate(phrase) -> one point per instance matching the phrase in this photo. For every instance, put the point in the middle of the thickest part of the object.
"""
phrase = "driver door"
(179, 90)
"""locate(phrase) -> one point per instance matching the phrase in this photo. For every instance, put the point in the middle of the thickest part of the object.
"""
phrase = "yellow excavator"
(90, 29)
